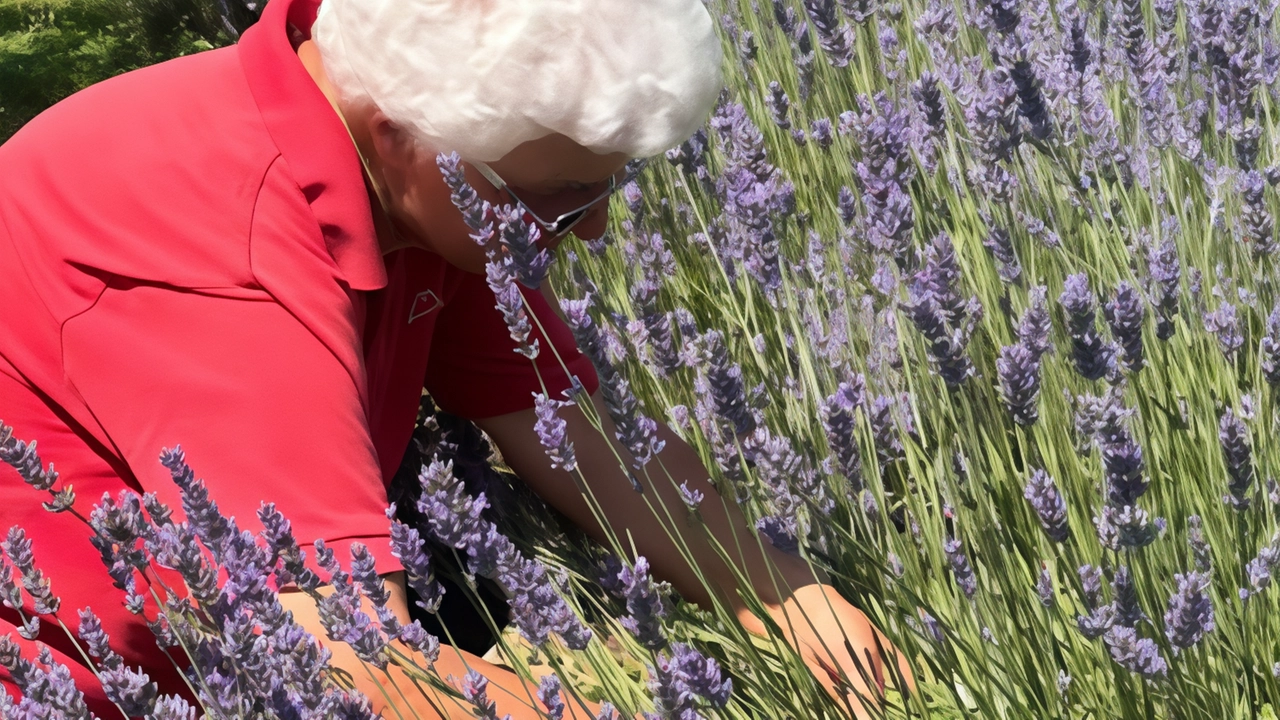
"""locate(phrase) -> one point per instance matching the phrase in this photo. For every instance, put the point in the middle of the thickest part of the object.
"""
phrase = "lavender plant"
(830, 323)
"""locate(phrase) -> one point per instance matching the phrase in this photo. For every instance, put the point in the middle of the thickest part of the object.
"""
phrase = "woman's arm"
(393, 693)
(786, 584)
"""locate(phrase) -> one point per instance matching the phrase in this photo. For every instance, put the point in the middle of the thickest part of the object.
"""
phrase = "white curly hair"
(479, 77)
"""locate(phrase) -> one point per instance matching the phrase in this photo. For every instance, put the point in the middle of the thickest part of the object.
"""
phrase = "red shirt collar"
(313, 141)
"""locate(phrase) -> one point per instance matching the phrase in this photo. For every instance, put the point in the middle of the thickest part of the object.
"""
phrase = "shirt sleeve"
(263, 410)
(474, 370)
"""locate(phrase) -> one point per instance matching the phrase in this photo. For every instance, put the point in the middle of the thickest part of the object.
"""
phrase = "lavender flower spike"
(1125, 313)
(1269, 347)
(1124, 596)
(1237, 452)
(23, 457)
(1019, 371)
(1050, 508)
(960, 567)
(501, 275)
(549, 696)
(551, 430)
(646, 604)
(838, 422)
(1190, 614)
(1137, 655)
(520, 239)
(477, 213)
(475, 690)
(1090, 355)
(834, 37)
(18, 547)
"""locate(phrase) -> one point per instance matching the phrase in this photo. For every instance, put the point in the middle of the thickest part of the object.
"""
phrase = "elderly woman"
(252, 252)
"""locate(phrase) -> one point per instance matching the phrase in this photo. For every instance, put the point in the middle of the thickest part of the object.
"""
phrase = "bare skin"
(561, 175)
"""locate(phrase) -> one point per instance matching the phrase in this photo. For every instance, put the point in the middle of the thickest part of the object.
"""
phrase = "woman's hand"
(824, 629)
(814, 618)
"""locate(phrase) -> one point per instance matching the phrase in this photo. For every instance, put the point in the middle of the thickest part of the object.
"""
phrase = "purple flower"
(549, 695)
(119, 526)
(1125, 527)
(1091, 356)
(18, 548)
(96, 640)
(1255, 220)
(172, 707)
(656, 324)
(1125, 313)
(23, 457)
(344, 620)
(1225, 326)
(677, 681)
(782, 532)
(455, 519)
(885, 171)
(277, 531)
(1269, 348)
(176, 547)
(407, 546)
(1048, 504)
(1166, 273)
(1190, 613)
(692, 497)
(947, 343)
(637, 431)
(552, 432)
(47, 688)
(727, 391)
(1019, 370)
(754, 196)
(933, 627)
(1137, 655)
(820, 132)
(647, 605)
(960, 567)
(1124, 596)
(838, 422)
(834, 37)
(1035, 326)
(1260, 568)
(992, 117)
(131, 690)
(690, 156)
(202, 513)
(889, 447)
(1237, 452)
(1200, 550)
(475, 690)
(928, 97)
(1031, 102)
(477, 213)
(500, 273)
(779, 105)
(1044, 588)
(1000, 244)
(1121, 456)
(520, 241)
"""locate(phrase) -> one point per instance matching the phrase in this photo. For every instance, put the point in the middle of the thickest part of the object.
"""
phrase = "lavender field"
(972, 305)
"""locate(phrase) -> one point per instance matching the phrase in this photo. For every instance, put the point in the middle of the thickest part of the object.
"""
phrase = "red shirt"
(187, 256)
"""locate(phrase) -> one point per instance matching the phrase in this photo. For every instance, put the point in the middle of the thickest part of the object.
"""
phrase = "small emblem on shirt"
(424, 303)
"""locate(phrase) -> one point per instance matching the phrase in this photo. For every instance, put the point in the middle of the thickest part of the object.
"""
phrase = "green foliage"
(49, 49)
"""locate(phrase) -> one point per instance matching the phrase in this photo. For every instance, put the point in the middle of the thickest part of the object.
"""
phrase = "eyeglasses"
(566, 221)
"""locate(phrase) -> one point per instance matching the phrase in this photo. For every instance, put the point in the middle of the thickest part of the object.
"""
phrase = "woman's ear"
(395, 147)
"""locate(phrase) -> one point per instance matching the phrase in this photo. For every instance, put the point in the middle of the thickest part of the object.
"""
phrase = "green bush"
(49, 49)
